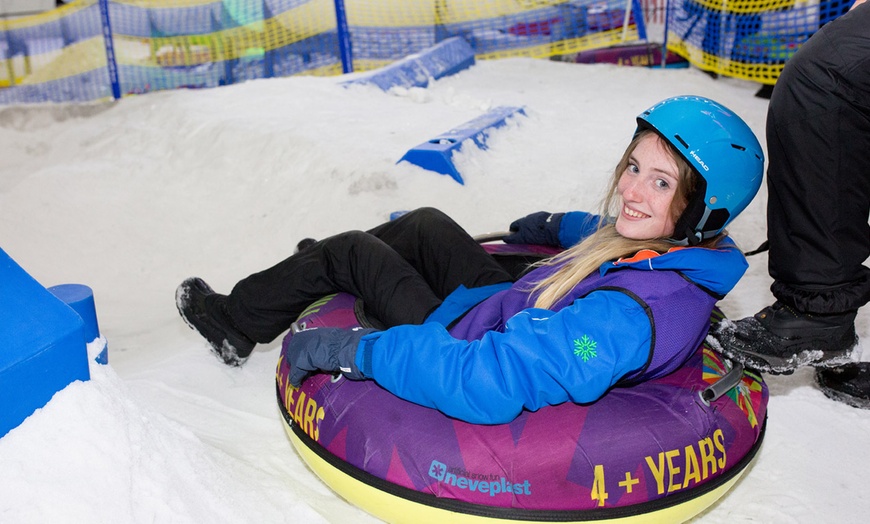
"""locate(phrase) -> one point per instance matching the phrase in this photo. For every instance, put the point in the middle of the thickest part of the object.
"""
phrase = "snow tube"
(661, 451)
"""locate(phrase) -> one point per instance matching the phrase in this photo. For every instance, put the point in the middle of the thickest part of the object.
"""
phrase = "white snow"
(132, 197)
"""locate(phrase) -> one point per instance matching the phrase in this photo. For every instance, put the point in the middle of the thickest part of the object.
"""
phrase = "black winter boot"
(779, 339)
(849, 384)
(205, 311)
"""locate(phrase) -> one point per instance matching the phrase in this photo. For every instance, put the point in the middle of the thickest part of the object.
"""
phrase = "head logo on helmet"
(724, 153)
(698, 159)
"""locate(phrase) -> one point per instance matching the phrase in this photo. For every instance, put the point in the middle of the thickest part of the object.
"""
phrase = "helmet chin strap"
(689, 238)
(693, 235)
(687, 230)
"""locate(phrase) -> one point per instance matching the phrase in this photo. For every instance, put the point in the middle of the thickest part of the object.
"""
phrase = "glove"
(541, 228)
(324, 349)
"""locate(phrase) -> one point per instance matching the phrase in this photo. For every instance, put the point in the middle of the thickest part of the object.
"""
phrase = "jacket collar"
(718, 269)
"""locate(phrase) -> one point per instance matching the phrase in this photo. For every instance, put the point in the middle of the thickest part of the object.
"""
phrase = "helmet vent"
(738, 147)
(680, 139)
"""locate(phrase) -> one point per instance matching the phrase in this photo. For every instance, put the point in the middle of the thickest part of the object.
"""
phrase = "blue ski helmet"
(722, 150)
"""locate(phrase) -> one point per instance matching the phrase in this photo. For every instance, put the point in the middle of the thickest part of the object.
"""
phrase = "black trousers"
(402, 270)
(818, 140)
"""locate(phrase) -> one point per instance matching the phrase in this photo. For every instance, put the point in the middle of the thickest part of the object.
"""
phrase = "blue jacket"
(631, 321)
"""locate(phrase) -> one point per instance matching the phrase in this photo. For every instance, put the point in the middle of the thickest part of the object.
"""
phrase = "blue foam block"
(443, 59)
(42, 345)
(81, 299)
(437, 153)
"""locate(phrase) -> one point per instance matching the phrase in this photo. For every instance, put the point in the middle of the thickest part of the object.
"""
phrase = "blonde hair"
(606, 243)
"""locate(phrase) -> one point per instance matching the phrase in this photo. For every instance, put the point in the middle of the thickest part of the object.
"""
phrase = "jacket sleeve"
(542, 358)
(575, 226)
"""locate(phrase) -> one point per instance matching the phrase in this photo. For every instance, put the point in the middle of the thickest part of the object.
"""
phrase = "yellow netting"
(748, 39)
(165, 44)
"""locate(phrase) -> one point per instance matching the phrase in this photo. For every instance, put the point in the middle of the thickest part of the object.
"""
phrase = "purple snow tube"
(658, 447)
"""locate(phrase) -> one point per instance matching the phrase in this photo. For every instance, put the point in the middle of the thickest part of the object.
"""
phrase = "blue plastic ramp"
(444, 59)
(42, 345)
(437, 153)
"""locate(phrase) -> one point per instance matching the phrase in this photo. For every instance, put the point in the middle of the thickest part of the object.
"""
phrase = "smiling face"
(645, 191)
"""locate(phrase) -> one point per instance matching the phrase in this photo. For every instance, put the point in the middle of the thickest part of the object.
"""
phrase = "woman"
(628, 303)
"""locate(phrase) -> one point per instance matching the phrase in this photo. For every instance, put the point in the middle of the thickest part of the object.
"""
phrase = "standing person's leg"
(819, 198)
(819, 172)
(850, 383)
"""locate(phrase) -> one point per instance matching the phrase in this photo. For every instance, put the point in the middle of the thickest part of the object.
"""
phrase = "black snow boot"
(779, 339)
(205, 311)
(849, 384)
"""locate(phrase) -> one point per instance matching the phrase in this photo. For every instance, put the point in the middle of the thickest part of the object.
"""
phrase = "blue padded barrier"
(443, 59)
(81, 299)
(42, 345)
(436, 154)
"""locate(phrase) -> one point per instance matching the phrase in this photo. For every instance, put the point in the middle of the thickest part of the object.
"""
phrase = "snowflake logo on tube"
(584, 347)
(437, 470)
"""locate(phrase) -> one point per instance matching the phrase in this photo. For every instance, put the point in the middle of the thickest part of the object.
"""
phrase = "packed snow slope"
(132, 197)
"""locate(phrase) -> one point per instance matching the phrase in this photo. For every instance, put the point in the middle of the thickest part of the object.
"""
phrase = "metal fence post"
(639, 19)
(665, 39)
(344, 44)
(110, 49)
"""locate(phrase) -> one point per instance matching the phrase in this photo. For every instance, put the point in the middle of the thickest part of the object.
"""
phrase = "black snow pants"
(402, 270)
(818, 140)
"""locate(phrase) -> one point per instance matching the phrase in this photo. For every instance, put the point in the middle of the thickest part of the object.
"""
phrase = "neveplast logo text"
(492, 484)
